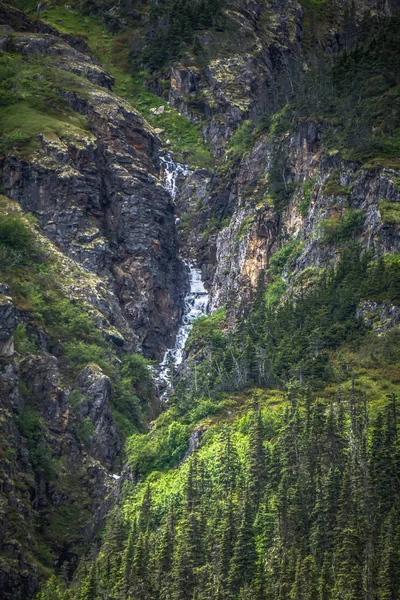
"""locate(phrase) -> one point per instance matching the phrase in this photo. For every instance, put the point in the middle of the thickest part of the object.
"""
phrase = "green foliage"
(295, 337)
(40, 456)
(353, 93)
(242, 140)
(382, 281)
(53, 589)
(39, 290)
(270, 508)
(185, 138)
(23, 345)
(164, 448)
(390, 212)
(173, 25)
(15, 234)
(308, 188)
(31, 103)
(275, 292)
(340, 228)
(285, 257)
(85, 431)
(332, 186)
(207, 329)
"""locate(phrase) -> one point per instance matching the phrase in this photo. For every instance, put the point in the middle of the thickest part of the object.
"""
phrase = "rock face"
(96, 193)
(245, 247)
(7, 323)
(95, 387)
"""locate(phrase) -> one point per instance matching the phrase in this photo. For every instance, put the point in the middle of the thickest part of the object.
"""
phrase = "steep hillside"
(260, 143)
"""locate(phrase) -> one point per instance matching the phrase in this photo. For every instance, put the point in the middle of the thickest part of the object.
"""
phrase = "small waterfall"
(196, 304)
(171, 172)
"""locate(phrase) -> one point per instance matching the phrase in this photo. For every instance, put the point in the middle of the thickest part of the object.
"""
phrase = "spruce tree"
(89, 586)
(244, 558)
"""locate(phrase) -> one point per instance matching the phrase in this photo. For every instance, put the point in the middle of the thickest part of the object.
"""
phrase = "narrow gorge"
(200, 300)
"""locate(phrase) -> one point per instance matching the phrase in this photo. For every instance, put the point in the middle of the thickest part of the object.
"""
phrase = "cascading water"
(196, 304)
(171, 172)
(196, 301)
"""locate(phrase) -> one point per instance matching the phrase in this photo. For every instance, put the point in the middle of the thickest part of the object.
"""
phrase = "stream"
(195, 303)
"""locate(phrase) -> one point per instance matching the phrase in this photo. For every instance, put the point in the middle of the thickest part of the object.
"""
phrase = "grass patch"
(31, 104)
(390, 212)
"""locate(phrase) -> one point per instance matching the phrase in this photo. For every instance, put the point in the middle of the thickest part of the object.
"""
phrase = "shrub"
(390, 212)
(207, 329)
(23, 344)
(275, 292)
(242, 140)
(341, 228)
(40, 456)
(84, 432)
(284, 257)
(15, 234)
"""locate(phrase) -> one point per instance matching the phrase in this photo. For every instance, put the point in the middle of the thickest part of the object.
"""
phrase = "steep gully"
(196, 301)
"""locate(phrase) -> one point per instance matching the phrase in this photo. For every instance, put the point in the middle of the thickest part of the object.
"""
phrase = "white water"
(196, 304)
(171, 171)
(196, 300)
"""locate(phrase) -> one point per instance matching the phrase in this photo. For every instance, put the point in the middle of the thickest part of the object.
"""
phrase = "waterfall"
(171, 171)
(196, 304)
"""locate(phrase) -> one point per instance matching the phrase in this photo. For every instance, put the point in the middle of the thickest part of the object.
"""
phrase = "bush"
(84, 432)
(162, 449)
(23, 345)
(284, 257)
(242, 140)
(390, 212)
(207, 329)
(40, 455)
(15, 234)
(341, 228)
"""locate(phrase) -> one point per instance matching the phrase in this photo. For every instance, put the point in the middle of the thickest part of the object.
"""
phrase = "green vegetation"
(285, 257)
(173, 26)
(241, 140)
(37, 279)
(308, 189)
(332, 186)
(208, 329)
(296, 338)
(357, 96)
(390, 212)
(40, 456)
(340, 228)
(31, 104)
(185, 138)
(273, 498)
(84, 432)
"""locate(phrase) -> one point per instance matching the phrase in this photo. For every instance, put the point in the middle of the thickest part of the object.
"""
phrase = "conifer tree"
(127, 565)
(89, 586)
(244, 558)
(256, 462)
(164, 558)
(389, 572)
